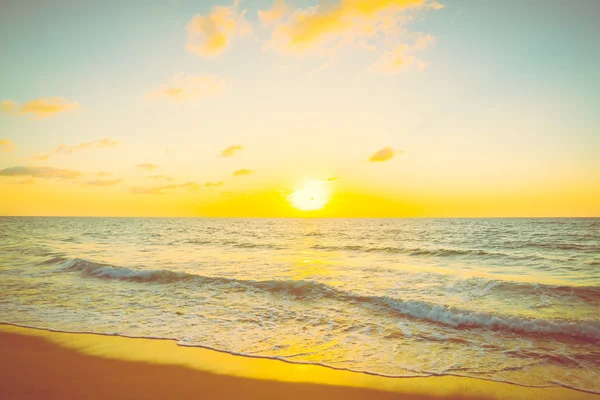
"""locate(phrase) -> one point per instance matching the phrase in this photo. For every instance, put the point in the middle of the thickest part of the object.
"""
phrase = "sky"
(389, 108)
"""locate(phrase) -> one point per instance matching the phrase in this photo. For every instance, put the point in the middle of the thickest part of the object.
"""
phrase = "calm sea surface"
(514, 300)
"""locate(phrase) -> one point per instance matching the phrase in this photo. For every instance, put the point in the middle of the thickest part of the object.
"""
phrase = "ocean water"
(514, 300)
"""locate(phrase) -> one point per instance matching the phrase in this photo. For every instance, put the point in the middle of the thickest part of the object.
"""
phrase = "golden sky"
(338, 108)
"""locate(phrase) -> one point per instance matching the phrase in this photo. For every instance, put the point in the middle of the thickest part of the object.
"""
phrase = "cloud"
(147, 190)
(243, 171)
(103, 182)
(384, 154)
(7, 145)
(39, 108)
(103, 173)
(213, 184)
(424, 41)
(187, 185)
(158, 190)
(65, 149)
(40, 172)
(401, 57)
(164, 177)
(184, 88)
(210, 35)
(29, 181)
(9, 107)
(274, 14)
(346, 22)
(231, 150)
(148, 166)
(396, 60)
(333, 178)
(333, 26)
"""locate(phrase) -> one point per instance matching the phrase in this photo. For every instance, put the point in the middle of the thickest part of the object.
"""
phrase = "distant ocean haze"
(511, 300)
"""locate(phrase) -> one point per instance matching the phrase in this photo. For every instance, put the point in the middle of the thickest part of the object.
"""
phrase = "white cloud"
(184, 88)
(39, 108)
(40, 172)
(66, 149)
(210, 35)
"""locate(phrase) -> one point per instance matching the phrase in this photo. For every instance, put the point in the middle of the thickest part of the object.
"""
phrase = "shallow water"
(512, 300)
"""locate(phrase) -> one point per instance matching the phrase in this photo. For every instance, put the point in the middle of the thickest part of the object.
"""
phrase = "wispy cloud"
(39, 108)
(40, 172)
(209, 35)
(161, 177)
(9, 107)
(185, 88)
(7, 145)
(213, 184)
(66, 149)
(148, 166)
(424, 41)
(396, 60)
(384, 154)
(187, 185)
(29, 181)
(274, 14)
(333, 178)
(103, 182)
(402, 58)
(158, 190)
(243, 171)
(231, 151)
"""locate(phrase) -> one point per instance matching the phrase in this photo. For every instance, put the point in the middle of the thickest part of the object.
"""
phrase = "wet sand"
(40, 364)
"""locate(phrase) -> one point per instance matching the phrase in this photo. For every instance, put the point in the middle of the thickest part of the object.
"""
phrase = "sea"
(510, 300)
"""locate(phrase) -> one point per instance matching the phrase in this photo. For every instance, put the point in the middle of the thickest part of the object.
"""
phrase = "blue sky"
(507, 88)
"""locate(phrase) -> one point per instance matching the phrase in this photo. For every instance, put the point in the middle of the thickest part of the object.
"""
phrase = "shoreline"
(40, 363)
(277, 359)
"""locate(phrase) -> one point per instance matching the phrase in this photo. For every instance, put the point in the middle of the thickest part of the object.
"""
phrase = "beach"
(57, 365)
(394, 298)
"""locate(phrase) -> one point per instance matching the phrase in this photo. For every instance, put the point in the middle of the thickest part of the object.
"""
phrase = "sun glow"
(313, 196)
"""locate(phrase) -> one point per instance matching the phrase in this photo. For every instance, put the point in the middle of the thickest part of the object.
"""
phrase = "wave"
(91, 268)
(463, 253)
(591, 248)
(416, 251)
(232, 243)
(307, 290)
(37, 251)
(247, 245)
(593, 263)
(482, 286)
(408, 372)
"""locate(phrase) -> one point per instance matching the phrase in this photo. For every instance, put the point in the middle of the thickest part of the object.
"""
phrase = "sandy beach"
(55, 365)
(299, 199)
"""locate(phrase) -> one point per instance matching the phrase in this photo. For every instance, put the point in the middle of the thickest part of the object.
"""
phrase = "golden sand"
(39, 364)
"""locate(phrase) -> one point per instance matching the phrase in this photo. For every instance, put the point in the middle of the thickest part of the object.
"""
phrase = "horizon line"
(297, 217)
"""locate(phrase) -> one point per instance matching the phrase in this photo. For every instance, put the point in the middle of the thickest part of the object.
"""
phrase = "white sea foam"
(300, 289)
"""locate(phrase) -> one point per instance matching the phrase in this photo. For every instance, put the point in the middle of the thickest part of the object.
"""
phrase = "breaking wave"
(309, 290)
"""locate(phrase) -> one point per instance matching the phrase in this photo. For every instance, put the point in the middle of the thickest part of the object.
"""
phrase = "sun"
(313, 196)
